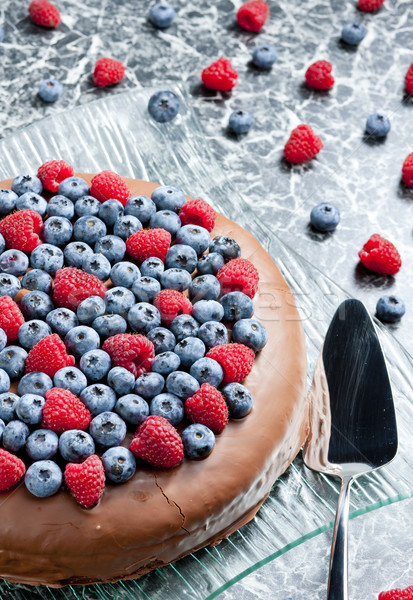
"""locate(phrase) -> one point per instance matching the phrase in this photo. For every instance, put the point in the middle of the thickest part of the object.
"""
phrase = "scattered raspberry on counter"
(253, 15)
(397, 594)
(318, 75)
(380, 255)
(220, 75)
(303, 144)
(409, 80)
(108, 71)
(44, 13)
(407, 171)
(369, 5)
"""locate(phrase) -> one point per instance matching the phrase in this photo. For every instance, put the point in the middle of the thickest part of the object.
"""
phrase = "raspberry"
(198, 212)
(239, 275)
(108, 72)
(72, 286)
(407, 171)
(220, 76)
(53, 172)
(48, 356)
(63, 411)
(44, 13)
(172, 303)
(86, 481)
(107, 185)
(253, 15)
(409, 80)
(134, 352)
(397, 594)
(21, 230)
(147, 243)
(318, 75)
(369, 5)
(235, 359)
(380, 255)
(208, 407)
(12, 470)
(158, 442)
(302, 145)
(10, 318)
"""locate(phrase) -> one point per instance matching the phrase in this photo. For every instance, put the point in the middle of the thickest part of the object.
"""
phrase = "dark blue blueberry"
(95, 364)
(226, 246)
(62, 320)
(124, 274)
(81, 339)
(378, 125)
(98, 265)
(353, 33)
(70, 378)
(26, 183)
(8, 403)
(110, 211)
(33, 201)
(390, 309)
(325, 217)
(121, 380)
(43, 478)
(76, 445)
(149, 385)
(236, 305)
(119, 300)
(3, 339)
(75, 253)
(161, 15)
(210, 264)
(168, 406)
(89, 229)
(152, 267)
(119, 464)
(264, 56)
(35, 383)
(42, 444)
(112, 247)
(7, 201)
(98, 398)
(108, 429)
(4, 381)
(176, 279)
(207, 310)
(87, 206)
(47, 258)
(60, 206)
(166, 219)
(238, 399)
(90, 308)
(213, 333)
(108, 325)
(167, 197)
(165, 363)
(132, 408)
(32, 332)
(9, 285)
(12, 360)
(73, 188)
(36, 279)
(184, 326)
(181, 256)
(207, 370)
(15, 435)
(143, 317)
(240, 121)
(125, 226)
(140, 207)
(190, 350)
(36, 305)
(162, 339)
(14, 262)
(50, 90)
(182, 384)
(29, 409)
(163, 107)
(198, 440)
(57, 231)
(251, 333)
(204, 287)
(195, 236)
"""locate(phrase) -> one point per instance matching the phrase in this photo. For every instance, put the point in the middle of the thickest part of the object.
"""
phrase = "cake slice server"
(353, 422)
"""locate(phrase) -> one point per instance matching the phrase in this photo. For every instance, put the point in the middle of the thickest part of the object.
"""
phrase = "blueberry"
(15, 435)
(165, 363)
(75, 253)
(213, 333)
(240, 121)
(89, 229)
(42, 444)
(43, 478)
(169, 407)
(189, 350)
(204, 287)
(108, 325)
(162, 339)
(33, 201)
(47, 258)
(50, 90)
(119, 464)
(238, 399)
(32, 332)
(198, 440)
(207, 370)
(90, 308)
(195, 236)
(2, 243)
(60, 206)
(184, 326)
(390, 309)
(181, 256)
(152, 267)
(163, 106)
(124, 274)
(98, 265)
(207, 310)
(108, 429)
(353, 33)
(264, 56)
(3, 339)
(81, 339)
(325, 217)
(26, 183)
(9, 285)
(167, 197)
(182, 384)
(132, 408)
(149, 385)
(140, 207)
(36, 279)
(8, 403)
(35, 383)
(119, 300)
(166, 219)
(62, 320)
(95, 364)
(87, 206)
(70, 378)
(125, 226)
(210, 264)
(4, 381)
(12, 360)
(2, 428)
(29, 409)
(57, 231)
(226, 246)
(378, 125)
(110, 211)
(14, 262)
(7, 201)
(112, 247)
(236, 305)
(36, 305)
(98, 398)
(161, 15)
(121, 380)
(251, 333)
(176, 279)
(143, 317)
(73, 188)
(75, 445)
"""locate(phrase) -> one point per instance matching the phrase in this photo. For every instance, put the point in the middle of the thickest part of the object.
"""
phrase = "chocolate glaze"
(161, 515)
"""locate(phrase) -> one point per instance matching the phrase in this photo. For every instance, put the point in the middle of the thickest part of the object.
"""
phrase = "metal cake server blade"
(353, 422)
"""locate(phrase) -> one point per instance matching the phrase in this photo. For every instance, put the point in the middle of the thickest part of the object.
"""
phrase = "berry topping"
(108, 72)
(11, 318)
(44, 13)
(407, 170)
(253, 15)
(53, 172)
(302, 145)
(220, 75)
(158, 442)
(134, 352)
(109, 185)
(63, 411)
(397, 594)
(148, 243)
(409, 80)
(12, 470)
(170, 304)
(198, 212)
(380, 255)
(21, 230)
(235, 359)
(208, 407)
(72, 286)
(369, 5)
(86, 481)
(48, 356)
(239, 275)
(318, 75)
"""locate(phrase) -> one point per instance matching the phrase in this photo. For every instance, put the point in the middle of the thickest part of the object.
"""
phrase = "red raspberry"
(318, 75)
(239, 275)
(108, 72)
(72, 286)
(158, 442)
(208, 407)
(397, 594)
(107, 185)
(148, 242)
(53, 172)
(12, 470)
(44, 13)
(235, 359)
(369, 5)
(220, 76)
(409, 80)
(10, 318)
(134, 352)
(380, 255)
(172, 303)
(253, 15)
(86, 481)
(48, 356)
(302, 145)
(198, 212)
(21, 230)
(63, 410)
(407, 171)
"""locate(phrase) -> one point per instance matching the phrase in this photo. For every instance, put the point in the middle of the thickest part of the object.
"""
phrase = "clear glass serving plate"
(117, 133)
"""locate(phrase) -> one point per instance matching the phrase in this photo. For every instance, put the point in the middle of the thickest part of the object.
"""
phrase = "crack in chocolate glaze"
(171, 503)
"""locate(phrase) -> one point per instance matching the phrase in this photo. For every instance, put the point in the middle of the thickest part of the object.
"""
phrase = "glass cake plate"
(117, 133)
